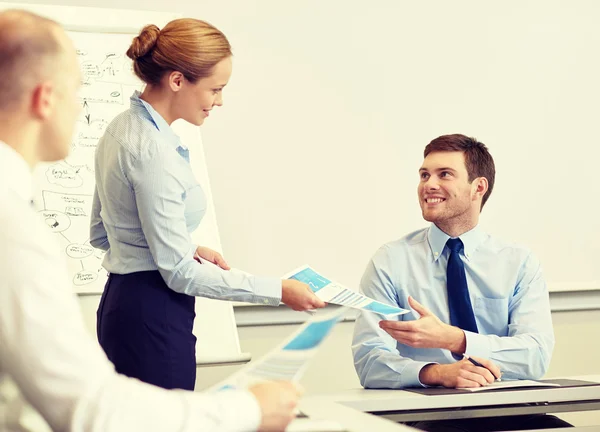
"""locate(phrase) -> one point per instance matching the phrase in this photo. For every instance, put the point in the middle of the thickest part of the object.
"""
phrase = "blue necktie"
(185, 153)
(459, 302)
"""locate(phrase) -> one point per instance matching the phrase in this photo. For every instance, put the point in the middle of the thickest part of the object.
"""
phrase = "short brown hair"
(190, 46)
(29, 51)
(478, 160)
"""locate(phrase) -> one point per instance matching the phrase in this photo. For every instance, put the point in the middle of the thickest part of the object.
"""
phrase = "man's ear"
(42, 100)
(176, 81)
(480, 187)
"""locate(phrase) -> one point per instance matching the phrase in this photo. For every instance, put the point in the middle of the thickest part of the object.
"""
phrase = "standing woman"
(147, 202)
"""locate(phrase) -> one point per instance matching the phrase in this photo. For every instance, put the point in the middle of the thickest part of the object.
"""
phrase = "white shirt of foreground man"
(47, 351)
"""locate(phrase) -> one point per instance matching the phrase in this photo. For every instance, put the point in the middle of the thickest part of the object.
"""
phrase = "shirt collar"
(438, 238)
(15, 173)
(146, 110)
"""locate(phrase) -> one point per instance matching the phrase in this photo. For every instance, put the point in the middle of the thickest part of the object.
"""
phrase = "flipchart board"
(64, 189)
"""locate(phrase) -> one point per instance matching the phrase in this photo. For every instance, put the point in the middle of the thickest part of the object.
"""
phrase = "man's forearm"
(431, 375)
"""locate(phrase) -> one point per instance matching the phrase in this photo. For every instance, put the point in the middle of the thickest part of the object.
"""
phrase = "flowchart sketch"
(67, 215)
(64, 189)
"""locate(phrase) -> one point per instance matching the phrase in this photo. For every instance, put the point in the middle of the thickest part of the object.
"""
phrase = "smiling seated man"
(468, 292)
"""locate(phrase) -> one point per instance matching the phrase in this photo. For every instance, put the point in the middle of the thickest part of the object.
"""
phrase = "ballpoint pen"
(476, 363)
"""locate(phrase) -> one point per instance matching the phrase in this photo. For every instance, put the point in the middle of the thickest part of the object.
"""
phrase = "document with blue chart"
(290, 359)
(332, 292)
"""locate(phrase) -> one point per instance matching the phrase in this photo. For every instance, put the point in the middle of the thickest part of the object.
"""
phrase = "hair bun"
(144, 42)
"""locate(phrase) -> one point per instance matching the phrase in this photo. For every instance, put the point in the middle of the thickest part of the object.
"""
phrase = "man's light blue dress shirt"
(508, 294)
(147, 202)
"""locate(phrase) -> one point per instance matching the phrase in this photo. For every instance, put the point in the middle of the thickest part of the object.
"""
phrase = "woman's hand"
(212, 256)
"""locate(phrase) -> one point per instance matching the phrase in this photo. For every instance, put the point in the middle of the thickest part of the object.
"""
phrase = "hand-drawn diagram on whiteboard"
(65, 189)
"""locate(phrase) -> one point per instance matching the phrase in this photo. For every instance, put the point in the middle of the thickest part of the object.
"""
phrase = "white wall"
(314, 157)
(331, 103)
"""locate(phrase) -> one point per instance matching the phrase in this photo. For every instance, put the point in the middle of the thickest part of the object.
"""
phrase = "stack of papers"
(511, 384)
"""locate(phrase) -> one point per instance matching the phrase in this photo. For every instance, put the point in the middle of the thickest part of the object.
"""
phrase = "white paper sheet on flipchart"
(332, 292)
(289, 360)
(511, 384)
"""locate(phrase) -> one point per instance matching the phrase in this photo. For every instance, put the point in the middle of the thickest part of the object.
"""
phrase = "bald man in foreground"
(46, 354)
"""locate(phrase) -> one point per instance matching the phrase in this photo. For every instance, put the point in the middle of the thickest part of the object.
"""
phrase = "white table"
(333, 417)
(404, 406)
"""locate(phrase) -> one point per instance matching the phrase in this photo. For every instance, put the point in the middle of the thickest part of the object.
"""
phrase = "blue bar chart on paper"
(332, 292)
(290, 359)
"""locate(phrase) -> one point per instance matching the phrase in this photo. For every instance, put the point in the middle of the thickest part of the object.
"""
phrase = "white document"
(332, 292)
(290, 359)
(511, 384)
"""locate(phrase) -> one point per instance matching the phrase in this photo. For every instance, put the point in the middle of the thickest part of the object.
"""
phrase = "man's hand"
(299, 296)
(277, 401)
(212, 256)
(462, 374)
(426, 332)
